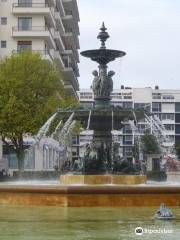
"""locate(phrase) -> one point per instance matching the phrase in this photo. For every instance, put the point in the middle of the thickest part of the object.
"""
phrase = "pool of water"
(51, 223)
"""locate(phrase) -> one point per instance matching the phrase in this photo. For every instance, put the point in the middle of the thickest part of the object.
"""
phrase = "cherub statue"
(109, 84)
(96, 83)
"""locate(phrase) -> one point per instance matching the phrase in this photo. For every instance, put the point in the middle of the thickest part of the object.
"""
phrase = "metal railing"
(68, 12)
(32, 28)
(30, 5)
(45, 52)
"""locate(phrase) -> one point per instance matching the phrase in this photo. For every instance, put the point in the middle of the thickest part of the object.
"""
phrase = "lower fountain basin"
(90, 195)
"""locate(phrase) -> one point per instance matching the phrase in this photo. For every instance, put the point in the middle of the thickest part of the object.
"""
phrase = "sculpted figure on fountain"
(102, 85)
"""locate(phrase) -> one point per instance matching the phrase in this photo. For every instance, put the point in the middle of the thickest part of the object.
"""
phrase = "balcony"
(58, 59)
(34, 9)
(71, 91)
(42, 32)
(46, 54)
(60, 8)
(59, 22)
(70, 23)
(71, 39)
(69, 71)
(74, 61)
(71, 5)
(59, 41)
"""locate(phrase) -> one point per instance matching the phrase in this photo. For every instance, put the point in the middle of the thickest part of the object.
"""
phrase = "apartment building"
(164, 104)
(49, 27)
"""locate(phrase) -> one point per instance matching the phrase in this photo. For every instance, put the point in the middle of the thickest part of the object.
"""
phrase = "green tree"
(31, 89)
(150, 144)
(69, 102)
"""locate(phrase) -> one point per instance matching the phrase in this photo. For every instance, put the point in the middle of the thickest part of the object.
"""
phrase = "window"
(127, 129)
(167, 116)
(156, 164)
(127, 97)
(177, 117)
(3, 21)
(156, 95)
(143, 106)
(127, 105)
(75, 140)
(116, 96)
(177, 129)
(171, 138)
(177, 106)
(117, 104)
(169, 127)
(177, 139)
(87, 104)
(86, 95)
(156, 107)
(143, 128)
(128, 140)
(117, 138)
(74, 153)
(128, 151)
(157, 115)
(168, 97)
(23, 45)
(66, 61)
(25, 3)
(3, 44)
(24, 23)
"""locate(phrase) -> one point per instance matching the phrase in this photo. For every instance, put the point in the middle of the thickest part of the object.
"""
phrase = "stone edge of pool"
(90, 195)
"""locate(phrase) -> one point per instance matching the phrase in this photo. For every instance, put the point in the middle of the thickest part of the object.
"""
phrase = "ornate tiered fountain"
(99, 164)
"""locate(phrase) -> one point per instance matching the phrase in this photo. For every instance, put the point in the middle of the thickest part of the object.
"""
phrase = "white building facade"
(49, 27)
(162, 103)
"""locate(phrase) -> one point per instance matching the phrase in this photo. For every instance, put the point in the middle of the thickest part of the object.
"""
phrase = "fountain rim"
(117, 53)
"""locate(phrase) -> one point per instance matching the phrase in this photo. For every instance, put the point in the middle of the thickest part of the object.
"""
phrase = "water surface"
(51, 223)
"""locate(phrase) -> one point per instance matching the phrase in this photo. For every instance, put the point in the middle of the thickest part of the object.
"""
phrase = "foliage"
(69, 102)
(30, 91)
(77, 128)
(150, 144)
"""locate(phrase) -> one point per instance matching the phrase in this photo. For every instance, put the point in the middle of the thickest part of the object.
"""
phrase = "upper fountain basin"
(101, 118)
(103, 56)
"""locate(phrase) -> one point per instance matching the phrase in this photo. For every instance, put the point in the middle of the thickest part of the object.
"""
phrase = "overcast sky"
(147, 30)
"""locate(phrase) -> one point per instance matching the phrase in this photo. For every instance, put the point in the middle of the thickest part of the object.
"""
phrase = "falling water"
(58, 127)
(89, 120)
(112, 120)
(44, 129)
(65, 128)
(158, 129)
(29, 153)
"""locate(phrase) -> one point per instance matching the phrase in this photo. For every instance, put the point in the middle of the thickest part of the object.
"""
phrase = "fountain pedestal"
(102, 179)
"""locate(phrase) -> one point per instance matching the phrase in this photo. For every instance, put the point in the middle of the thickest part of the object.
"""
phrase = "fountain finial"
(103, 36)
